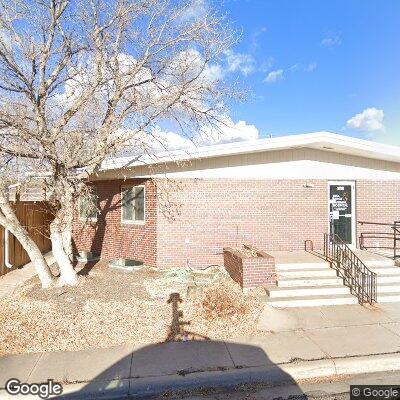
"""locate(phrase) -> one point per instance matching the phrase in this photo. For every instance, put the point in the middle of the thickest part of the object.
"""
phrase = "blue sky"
(313, 65)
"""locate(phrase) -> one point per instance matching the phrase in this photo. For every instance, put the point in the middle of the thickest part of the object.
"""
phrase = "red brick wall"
(377, 201)
(233, 265)
(207, 215)
(213, 214)
(111, 239)
(250, 272)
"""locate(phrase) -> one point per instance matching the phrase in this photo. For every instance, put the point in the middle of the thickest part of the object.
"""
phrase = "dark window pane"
(88, 205)
(139, 204)
(133, 203)
(127, 208)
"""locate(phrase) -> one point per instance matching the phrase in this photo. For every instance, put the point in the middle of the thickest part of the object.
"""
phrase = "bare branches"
(80, 81)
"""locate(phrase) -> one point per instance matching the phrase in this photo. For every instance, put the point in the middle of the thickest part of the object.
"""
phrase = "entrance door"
(342, 211)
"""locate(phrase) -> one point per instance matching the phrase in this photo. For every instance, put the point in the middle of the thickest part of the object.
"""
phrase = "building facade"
(272, 193)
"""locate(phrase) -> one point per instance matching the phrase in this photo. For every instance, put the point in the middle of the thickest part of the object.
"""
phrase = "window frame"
(89, 219)
(128, 221)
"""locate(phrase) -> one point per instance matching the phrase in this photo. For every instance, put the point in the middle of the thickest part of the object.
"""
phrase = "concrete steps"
(388, 276)
(316, 284)
(300, 266)
(306, 273)
(388, 279)
(388, 287)
(297, 291)
(388, 297)
(314, 281)
(386, 270)
(307, 285)
(313, 301)
(379, 263)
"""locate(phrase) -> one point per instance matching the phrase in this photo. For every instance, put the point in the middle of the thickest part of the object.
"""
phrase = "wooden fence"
(36, 218)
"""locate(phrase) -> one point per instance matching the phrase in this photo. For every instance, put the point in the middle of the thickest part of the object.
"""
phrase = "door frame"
(353, 208)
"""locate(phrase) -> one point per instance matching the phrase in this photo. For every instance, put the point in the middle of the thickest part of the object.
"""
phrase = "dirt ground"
(112, 307)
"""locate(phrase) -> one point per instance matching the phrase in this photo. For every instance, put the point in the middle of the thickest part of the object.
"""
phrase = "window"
(88, 205)
(132, 199)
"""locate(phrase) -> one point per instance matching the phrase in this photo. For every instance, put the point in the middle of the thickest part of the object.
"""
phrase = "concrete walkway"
(338, 331)
(296, 343)
(9, 282)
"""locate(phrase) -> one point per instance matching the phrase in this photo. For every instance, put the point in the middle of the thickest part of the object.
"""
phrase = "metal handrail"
(360, 279)
(392, 235)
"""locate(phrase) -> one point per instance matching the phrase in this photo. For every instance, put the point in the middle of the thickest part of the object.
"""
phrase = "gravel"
(110, 308)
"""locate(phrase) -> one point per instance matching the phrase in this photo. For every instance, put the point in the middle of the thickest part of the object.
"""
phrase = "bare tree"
(9, 176)
(79, 80)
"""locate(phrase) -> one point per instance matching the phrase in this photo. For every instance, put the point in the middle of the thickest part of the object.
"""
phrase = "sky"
(317, 65)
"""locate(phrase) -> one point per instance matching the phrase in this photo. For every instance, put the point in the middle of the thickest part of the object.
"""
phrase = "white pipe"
(7, 248)
(14, 185)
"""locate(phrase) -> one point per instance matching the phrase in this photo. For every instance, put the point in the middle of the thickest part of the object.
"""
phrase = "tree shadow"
(184, 361)
(177, 331)
(99, 227)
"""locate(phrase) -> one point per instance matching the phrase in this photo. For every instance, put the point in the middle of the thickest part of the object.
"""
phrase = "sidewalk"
(304, 343)
(9, 282)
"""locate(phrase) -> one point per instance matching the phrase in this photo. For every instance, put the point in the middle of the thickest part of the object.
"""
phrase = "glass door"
(342, 210)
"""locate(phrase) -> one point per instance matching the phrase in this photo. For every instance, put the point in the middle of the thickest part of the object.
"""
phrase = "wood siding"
(36, 218)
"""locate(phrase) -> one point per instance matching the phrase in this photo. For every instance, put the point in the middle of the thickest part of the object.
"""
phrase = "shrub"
(224, 300)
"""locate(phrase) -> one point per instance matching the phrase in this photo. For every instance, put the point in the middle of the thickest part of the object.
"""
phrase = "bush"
(224, 300)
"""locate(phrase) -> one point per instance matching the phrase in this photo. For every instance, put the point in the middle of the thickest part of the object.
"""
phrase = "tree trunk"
(67, 241)
(61, 240)
(68, 275)
(9, 220)
(36, 256)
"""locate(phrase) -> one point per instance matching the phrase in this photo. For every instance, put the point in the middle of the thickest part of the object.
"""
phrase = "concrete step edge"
(311, 301)
(292, 292)
(306, 274)
(288, 302)
(307, 282)
(305, 266)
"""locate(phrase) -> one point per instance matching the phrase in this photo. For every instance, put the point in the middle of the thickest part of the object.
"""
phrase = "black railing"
(388, 233)
(361, 280)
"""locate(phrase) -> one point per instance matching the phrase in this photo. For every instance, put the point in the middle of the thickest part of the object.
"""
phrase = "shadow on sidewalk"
(185, 361)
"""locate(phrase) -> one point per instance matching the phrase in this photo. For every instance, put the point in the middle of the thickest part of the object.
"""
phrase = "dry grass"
(224, 300)
(110, 308)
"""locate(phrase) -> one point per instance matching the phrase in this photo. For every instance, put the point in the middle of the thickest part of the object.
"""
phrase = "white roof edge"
(345, 144)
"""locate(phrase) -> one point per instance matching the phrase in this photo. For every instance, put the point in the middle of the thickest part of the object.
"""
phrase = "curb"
(273, 375)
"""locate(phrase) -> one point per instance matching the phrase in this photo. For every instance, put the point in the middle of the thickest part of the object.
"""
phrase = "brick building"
(186, 206)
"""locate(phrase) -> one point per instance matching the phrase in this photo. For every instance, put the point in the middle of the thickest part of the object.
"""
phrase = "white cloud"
(331, 40)
(274, 76)
(162, 140)
(254, 42)
(369, 120)
(310, 67)
(267, 64)
(159, 140)
(228, 132)
(195, 10)
(245, 63)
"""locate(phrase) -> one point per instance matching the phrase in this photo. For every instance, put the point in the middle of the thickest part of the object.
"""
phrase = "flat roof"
(326, 141)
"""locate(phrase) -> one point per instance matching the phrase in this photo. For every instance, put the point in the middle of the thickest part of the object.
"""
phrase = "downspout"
(7, 249)
(7, 237)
